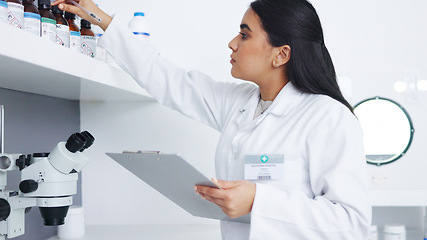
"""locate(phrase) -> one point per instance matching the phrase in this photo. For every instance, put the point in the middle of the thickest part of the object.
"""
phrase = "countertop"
(151, 232)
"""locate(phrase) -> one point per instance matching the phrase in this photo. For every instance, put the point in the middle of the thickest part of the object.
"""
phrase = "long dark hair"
(296, 23)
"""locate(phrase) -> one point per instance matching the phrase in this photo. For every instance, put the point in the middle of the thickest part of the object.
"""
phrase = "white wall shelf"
(34, 65)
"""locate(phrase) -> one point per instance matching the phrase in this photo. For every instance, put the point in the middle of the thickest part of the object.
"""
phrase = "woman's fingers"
(235, 199)
(73, 9)
(60, 1)
(85, 5)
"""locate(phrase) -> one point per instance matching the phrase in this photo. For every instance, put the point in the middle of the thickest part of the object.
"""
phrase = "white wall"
(372, 43)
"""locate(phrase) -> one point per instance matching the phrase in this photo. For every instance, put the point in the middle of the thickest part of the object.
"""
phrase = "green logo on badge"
(264, 158)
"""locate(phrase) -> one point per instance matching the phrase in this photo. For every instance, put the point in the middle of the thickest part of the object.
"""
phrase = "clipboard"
(173, 177)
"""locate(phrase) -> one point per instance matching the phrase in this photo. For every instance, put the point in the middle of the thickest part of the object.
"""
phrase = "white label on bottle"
(48, 30)
(3, 11)
(88, 46)
(15, 15)
(75, 41)
(32, 23)
(394, 236)
(63, 35)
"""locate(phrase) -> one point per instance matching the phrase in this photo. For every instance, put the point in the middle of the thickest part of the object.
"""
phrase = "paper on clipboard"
(175, 179)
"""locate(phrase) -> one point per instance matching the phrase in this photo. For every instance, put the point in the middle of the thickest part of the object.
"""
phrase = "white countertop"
(151, 232)
(174, 232)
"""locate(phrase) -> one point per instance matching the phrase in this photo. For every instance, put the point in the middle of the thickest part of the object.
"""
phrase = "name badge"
(264, 167)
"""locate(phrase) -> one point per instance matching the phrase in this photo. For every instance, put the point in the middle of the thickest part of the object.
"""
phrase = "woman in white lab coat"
(290, 151)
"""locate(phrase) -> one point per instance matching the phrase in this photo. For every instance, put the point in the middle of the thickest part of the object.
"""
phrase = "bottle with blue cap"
(139, 25)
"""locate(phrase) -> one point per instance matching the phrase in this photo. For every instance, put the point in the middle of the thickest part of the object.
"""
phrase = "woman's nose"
(233, 44)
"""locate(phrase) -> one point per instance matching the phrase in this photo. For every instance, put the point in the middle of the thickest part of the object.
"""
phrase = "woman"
(290, 151)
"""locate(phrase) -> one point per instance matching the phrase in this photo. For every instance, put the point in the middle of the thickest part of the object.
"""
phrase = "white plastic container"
(373, 235)
(74, 227)
(3, 11)
(139, 25)
(394, 232)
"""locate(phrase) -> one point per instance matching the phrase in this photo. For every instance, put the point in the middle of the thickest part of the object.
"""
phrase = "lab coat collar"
(281, 105)
(284, 101)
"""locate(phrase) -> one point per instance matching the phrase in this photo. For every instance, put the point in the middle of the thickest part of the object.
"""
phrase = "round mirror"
(387, 129)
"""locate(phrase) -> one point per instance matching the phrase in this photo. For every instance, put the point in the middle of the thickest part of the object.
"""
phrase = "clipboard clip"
(140, 151)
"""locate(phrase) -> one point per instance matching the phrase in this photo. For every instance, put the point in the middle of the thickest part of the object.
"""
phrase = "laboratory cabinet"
(34, 65)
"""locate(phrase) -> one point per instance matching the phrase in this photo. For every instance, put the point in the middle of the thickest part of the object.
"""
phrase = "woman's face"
(252, 54)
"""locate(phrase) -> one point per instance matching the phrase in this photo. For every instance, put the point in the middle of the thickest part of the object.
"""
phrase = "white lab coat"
(323, 194)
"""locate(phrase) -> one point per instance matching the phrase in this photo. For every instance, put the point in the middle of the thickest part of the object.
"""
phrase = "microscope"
(48, 181)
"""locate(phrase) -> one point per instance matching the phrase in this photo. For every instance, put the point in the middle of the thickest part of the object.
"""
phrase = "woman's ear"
(283, 56)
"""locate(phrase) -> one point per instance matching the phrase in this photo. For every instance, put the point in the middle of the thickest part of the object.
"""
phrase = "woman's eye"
(244, 35)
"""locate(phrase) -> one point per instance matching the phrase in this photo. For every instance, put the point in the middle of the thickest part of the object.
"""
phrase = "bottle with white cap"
(139, 25)
(394, 232)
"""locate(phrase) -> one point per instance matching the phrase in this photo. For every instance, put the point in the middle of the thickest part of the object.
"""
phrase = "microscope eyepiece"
(75, 142)
(89, 140)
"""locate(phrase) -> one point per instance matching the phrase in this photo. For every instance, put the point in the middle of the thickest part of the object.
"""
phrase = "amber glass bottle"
(75, 37)
(29, 6)
(48, 26)
(15, 14)
(31, 17)
(62, 29)
(88, 46)
(70, 18)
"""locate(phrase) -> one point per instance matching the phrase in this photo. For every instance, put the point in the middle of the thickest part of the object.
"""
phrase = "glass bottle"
(48, 26)
(88, 46)
(15, 13)
(62, 28)
(75, 37)
(31, 17)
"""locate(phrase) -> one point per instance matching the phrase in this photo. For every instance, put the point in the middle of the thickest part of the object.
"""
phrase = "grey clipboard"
(175, 179)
